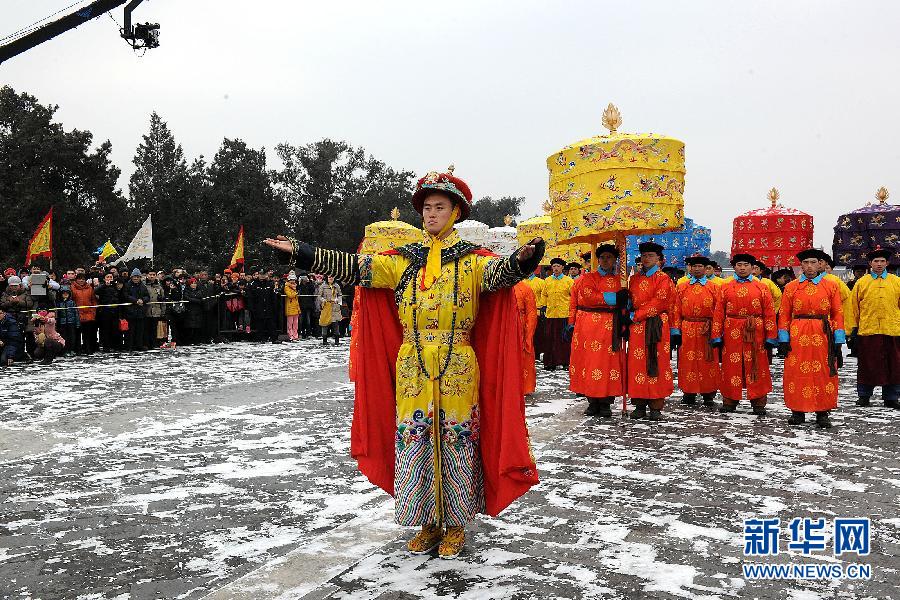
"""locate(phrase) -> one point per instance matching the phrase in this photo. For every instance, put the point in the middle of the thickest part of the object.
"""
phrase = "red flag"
(41, 243)
(237, 259)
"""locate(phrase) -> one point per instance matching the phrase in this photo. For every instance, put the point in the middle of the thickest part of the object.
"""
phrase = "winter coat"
(194, 316)
(306, 291)
(262, 299)
(132, 293)
(48, 328)
(11, 332)
(20, 304)
(157, 294)
(67, 313)
(108, 294)
(175, 294)
(83, 295)
(209, 291)
(331, 293)
(291, 305)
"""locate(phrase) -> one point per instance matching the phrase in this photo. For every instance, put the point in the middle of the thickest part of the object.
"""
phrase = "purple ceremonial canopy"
(858, 232)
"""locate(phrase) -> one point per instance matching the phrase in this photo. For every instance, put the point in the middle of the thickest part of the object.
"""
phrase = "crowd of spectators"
(45, 315)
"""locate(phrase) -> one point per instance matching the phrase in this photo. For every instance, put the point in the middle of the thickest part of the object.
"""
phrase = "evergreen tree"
(241, 193)
(44, 166)
(163, 185)
(493, 212)
(332, 191)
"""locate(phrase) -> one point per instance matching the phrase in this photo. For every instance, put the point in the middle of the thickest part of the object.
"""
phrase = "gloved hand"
(772, 342)
(851, 339)
(838, 348)
(784, 348)
(675, 342)
(567, 333)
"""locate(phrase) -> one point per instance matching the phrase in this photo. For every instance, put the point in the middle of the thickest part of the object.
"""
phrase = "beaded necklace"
(415, 320)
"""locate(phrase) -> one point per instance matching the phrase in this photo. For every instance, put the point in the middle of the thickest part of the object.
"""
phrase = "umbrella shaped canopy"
(687, 241)
(387, 235)
(773, 235)
(542, 227)
(858, 232)
(609, 186)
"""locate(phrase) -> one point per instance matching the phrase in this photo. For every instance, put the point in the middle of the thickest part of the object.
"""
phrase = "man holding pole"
(649, 367)
(596, 325)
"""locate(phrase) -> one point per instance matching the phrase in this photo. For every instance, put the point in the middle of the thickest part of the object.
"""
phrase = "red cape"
(508, 465)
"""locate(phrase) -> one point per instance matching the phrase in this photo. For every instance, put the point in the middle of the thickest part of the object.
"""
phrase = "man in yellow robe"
(874, 327)
(557, 291)
(437, 288)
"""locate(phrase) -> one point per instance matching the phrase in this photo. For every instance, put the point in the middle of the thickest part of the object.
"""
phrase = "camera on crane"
(145, 35)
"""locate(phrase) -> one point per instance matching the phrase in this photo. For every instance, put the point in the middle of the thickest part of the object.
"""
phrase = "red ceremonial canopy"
(773, 235)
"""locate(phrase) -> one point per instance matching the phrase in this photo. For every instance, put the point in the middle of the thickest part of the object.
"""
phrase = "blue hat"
(136, 272)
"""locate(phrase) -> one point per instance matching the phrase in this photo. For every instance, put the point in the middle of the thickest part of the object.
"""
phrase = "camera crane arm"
(146, 33)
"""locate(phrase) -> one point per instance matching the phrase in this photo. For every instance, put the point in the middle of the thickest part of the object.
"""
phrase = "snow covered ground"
(223, 471)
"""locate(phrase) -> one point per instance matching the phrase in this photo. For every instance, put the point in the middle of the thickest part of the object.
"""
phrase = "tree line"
(325, 192)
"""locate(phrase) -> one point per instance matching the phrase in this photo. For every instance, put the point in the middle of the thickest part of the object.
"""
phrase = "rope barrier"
(204, 298)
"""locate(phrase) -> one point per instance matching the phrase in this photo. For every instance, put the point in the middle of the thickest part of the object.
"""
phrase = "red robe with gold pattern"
(651, 297)
(698, 363)
(806, 308)
(595, 370)
(744, 320)
(527, 305)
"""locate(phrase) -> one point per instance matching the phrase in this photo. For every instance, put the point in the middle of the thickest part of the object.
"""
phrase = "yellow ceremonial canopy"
(387, 235)
(542, 227)
(606, 187)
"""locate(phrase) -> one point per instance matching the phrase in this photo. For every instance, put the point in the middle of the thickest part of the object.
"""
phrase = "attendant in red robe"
(696, 301)
(811, 332)
(597, 364)
(649, 368)
(744, 323)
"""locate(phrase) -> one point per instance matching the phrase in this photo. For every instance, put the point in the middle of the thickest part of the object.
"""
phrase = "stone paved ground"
(222, 472)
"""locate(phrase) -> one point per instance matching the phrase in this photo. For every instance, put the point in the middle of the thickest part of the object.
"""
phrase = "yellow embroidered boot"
(426, 540)
(453, 542)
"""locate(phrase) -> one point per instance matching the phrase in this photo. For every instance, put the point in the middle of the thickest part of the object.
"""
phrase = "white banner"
(142, 244)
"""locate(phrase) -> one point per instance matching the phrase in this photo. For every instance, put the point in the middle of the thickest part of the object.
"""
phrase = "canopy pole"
(621, 245)
(593, 256)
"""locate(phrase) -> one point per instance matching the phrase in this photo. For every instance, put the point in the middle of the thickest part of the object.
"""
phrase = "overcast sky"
(801, 95)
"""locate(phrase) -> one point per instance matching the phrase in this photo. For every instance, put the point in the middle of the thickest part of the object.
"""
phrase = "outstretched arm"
(509, 270)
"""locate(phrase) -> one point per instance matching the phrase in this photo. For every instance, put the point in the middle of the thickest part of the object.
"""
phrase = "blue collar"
(601, 271)
(815, 279)
(743, 280)
(692, 280)
(883, 275)
(652, 271)
(531, 276)
(558, 277)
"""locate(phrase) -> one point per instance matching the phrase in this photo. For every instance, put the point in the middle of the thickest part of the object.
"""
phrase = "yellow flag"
(237, 259)
(107, 250)
(41, 243)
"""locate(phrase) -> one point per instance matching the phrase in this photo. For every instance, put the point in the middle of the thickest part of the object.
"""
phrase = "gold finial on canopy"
(395, 214)
(612, 118)
(547, 206)
(773, 196)
(882, 194)
(507, 220)
(451, 168)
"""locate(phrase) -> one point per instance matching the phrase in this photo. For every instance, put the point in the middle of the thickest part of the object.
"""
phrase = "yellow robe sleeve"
(381, 270)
